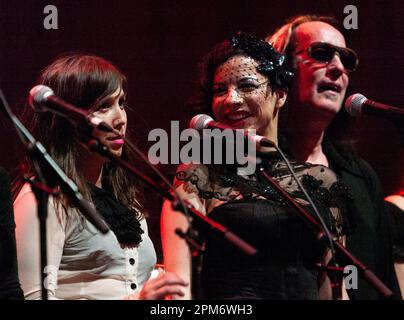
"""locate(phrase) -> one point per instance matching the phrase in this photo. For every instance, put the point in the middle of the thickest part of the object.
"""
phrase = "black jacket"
(370, 240)
(9, 284)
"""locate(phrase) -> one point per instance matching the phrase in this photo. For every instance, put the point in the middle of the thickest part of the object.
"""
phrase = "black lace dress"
(285, 267)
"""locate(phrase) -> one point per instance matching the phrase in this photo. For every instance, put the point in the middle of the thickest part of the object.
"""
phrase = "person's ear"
(281, 96)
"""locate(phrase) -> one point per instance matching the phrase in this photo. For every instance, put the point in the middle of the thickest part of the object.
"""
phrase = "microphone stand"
(41, 193)
(321, 236)
(204, 223)
(50, 174)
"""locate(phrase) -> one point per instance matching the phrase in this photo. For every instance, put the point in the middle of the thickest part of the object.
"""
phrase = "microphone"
(357, 104)
(203, 121)
(42, 98)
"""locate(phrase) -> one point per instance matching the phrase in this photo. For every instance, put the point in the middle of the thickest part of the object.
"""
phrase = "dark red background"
(158, 45)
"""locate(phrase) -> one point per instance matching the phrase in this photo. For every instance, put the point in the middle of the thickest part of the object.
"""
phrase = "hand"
(161, 287)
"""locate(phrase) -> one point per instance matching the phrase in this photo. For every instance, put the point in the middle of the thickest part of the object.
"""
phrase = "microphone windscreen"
(199, 121)
(354, 103)
(38, 96)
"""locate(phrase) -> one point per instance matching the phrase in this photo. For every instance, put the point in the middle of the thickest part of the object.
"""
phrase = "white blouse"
(82, 262)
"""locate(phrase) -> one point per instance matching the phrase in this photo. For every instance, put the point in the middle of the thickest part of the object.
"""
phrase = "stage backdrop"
(158, 44)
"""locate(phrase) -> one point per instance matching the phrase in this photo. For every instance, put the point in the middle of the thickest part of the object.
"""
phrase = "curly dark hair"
(270, 63)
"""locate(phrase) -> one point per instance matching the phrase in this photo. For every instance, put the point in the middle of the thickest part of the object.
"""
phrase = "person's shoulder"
(25, 194)
(322, 173)
(191, 178)
(26, 203)
(397, 200)
(188, 171)
(347, 156)
(359, 168)
(366, 168)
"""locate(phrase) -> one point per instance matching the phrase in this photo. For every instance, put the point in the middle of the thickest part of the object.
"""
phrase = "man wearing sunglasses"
(317, 54)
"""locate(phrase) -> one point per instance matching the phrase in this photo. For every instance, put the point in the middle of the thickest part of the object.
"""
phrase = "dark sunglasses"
(324, 52)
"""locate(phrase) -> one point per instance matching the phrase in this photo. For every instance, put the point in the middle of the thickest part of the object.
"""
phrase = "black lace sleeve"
(330, 195)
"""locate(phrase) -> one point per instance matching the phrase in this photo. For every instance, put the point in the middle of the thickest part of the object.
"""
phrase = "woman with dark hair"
(82, 262)
(243, 84)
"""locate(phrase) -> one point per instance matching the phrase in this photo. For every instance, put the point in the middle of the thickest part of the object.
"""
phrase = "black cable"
(312, 204)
